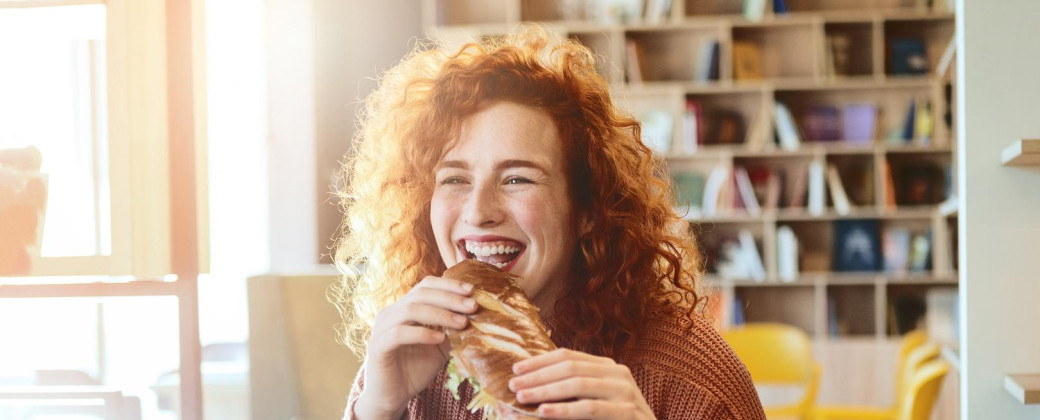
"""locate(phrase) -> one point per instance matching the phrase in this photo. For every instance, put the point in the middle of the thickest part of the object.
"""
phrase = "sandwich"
(504, 330)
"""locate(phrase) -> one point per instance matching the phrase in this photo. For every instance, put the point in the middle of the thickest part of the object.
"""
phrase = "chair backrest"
(911, 365)
(907, 344)
(923, 390)
(773, 353)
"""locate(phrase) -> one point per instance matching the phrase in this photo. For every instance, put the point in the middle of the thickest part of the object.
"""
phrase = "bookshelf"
(847, 74)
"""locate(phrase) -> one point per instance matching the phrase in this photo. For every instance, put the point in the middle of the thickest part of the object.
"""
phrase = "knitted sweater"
(682, 374)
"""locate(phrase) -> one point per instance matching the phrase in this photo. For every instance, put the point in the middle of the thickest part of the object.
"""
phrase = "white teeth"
(488, 250)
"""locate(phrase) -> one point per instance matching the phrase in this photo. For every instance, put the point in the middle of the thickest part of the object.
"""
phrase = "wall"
(1000, 213)
(354, 42)
(322, 59)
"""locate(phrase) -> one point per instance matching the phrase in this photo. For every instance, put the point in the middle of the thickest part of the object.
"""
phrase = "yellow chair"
(909, 392)
(907, 344)
(778, 354)
(924, 390)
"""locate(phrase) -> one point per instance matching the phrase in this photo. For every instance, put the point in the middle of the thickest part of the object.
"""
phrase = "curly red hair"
(638, 261)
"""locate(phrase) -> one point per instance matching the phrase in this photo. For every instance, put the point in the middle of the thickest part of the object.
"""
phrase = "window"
(53, 97)
(104, 92)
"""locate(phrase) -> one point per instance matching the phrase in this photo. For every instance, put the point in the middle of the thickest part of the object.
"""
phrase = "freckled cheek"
(442, 218)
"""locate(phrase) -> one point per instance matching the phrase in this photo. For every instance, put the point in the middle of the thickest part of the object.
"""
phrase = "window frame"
(155, 63)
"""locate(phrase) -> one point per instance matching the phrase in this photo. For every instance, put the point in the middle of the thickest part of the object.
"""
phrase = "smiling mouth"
(501, 254)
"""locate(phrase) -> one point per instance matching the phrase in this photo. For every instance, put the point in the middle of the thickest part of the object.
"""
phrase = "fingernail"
(469, 302)
(516, 367)
(460, 319)
(512, 385)
(467, 287)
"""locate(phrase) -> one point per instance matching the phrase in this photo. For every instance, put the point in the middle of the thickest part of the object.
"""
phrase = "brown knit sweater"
(683, 375)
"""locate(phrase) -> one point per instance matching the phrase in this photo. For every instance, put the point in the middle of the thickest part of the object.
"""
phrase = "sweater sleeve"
(692, 374)
(674, 398)
(355, 392)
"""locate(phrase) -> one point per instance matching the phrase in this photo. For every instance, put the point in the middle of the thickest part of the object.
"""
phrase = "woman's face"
(501, 196)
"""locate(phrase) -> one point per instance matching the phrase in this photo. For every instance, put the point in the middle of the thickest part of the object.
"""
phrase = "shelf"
(782, 84)
(1025, 388)
(1021, 153)
(802, 215)
(710, 21)
(806, 150)
(832, 278)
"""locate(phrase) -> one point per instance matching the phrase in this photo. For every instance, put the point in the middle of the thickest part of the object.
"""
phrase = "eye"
(452, 180)
(514, 180)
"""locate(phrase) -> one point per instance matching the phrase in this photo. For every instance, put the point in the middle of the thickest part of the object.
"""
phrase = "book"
(707, 66)
(633, 62)
(895, 248)
(857, 176)
(692, 127)
(786, 254)
(858, 123)
(766, 183)
(942, 313)
(801, 181)
(837, 55)
(946, 59)
(754, 10)
(756, 270)
(924, 124)
(909, 122)
(774, 187)
(747, 192)
(657, 11)
(738, 312)
(919, 183)
(689, 189)
(907, 56)
(837, 190)
(822, 123)
(754, 139)
(747, 61)
(817, 198)
(713, 190)
(727, 127)
(857, 246)
(908, 312)
(920, 252)
(890, 188)
(785, 128)
(657, 130)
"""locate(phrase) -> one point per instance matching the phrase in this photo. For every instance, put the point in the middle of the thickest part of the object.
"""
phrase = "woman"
(511, 152)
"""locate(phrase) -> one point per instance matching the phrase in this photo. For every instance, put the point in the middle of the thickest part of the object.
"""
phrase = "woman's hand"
(576, 385)
(408, 347)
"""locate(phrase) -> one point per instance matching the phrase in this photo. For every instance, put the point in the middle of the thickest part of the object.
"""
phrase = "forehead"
(506, 130)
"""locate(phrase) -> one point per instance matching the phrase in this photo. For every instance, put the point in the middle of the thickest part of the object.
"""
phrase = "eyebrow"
(505, 164)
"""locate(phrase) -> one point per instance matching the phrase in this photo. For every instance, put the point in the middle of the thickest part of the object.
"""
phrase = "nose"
(483, 207)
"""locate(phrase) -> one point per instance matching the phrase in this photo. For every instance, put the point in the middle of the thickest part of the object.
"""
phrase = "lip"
(460, 246)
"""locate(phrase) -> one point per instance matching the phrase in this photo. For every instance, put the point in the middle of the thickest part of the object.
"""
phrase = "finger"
(449, 300)
(446, 284)
(560, 371)
(556, 356)
(577, 388)
(587, 409)
(402, 335)
(416, 313)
